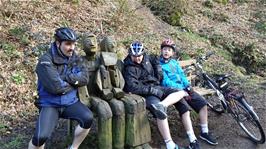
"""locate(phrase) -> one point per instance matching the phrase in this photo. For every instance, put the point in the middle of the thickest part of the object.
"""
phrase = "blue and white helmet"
(136, 49)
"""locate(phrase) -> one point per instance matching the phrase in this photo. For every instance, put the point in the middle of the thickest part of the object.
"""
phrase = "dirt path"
(227, 131)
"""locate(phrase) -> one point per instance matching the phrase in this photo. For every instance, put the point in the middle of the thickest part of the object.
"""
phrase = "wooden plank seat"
(191, 76)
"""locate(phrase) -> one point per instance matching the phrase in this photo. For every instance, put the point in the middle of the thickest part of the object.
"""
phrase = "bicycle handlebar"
(206, 56)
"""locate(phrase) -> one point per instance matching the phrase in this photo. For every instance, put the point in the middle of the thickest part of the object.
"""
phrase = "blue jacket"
(173, 75)
(58, 78)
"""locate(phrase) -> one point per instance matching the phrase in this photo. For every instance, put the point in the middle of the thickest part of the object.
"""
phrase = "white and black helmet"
(136, 49)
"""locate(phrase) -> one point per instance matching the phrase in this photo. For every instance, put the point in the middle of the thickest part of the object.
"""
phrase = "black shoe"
(160, 111)
(208, 138)
(194, 145)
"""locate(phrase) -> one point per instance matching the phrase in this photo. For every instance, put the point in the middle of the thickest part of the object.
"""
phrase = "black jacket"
(140, 78)
(59, 77)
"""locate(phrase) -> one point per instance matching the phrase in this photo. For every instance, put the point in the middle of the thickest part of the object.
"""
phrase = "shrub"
(170, 11)
(20, 34)
(250, 57)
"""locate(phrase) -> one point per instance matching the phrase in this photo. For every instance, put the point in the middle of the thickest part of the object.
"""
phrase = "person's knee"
(87, 120)
(39, 140)
(204, 109)
(185, 114)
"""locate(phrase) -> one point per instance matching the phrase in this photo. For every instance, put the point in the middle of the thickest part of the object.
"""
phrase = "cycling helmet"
(65, 34)
(168, 43)
(136, 49)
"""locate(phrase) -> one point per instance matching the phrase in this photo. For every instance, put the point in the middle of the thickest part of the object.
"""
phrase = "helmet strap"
(166, 59)
(59, 49)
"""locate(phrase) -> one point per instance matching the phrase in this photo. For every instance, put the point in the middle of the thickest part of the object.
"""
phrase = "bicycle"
(230, 100)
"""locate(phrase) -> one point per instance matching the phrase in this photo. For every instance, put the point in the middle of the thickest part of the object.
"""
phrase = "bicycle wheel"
(247, 121)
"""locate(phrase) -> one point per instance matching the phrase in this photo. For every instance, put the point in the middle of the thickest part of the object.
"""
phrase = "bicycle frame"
(211, 83)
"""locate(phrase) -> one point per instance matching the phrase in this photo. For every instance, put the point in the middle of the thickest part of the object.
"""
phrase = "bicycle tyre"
(243, 116)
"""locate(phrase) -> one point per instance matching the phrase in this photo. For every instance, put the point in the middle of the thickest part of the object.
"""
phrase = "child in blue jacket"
(173, 76)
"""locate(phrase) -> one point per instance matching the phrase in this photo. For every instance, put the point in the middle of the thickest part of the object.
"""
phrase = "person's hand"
(189, 91)
(156, 92)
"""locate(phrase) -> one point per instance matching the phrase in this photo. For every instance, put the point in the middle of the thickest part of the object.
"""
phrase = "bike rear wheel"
(247, 121)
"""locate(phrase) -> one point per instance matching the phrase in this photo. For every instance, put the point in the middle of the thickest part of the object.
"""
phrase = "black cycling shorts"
(48, 118)
(197, 102)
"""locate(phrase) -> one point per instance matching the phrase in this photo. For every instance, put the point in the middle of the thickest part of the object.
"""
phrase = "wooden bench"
(133, 134)
(120, 123)
(192, 75)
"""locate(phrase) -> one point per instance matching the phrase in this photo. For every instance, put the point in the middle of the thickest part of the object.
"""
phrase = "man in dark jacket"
(142, 74)
(60, 73)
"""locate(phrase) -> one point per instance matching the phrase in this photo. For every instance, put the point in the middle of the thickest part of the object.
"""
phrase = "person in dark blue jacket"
(60, 72)
(173, 76)
(142, 74)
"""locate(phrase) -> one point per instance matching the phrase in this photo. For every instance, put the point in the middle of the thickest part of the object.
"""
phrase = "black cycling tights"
(49, 116)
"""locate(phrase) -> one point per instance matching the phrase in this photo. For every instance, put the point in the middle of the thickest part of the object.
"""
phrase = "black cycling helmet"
(136, 49)
(65, 34)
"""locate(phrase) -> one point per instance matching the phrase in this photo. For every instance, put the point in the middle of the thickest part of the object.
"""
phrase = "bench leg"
(69, 127)
(118, 123)
(104, 123)
(137, 125)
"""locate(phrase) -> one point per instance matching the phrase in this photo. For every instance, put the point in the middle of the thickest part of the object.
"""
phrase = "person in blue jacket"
(173, 76)
(60, 72)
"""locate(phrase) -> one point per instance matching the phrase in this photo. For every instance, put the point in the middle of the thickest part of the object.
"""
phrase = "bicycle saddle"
(221, 77)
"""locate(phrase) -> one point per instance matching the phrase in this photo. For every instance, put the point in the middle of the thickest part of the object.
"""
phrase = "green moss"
(10, 49)
(18, 78)
(183, 55)
(225, 54)
(190, 36)
(175, 18)
(261, 27)
(208, 3)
